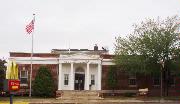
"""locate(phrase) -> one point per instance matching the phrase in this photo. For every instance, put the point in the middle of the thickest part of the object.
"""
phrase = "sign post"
(13, 85)
(12, 82)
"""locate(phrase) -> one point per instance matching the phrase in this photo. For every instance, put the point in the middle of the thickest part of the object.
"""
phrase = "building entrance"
(79, 79)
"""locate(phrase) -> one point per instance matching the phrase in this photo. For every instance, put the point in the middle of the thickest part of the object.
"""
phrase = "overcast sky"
(75, 23)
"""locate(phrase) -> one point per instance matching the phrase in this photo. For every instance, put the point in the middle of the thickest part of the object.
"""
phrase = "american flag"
(30, 27)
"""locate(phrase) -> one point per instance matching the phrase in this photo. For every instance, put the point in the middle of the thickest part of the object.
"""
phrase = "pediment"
(79, 56)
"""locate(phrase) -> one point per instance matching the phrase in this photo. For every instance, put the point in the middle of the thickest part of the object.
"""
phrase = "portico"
(79, 72)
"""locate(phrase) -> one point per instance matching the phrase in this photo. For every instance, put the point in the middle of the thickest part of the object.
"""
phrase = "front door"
(79, 81)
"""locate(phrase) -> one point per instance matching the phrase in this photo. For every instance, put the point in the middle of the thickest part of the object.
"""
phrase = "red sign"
(13, 85)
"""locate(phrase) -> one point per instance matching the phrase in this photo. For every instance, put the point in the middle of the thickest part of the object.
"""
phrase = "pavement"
(104, 101)
(27, 100)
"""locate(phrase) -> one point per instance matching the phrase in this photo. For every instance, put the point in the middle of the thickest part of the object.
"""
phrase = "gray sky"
(80, 23)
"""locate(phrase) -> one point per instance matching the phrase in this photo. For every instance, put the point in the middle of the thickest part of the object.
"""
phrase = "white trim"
(93, 78)
(99, 76)
(72, 77)
(91, 61)
(87, 78)
(40, 60)
(108, 62)
(60, 77)
(36, 62)
(68, 79)
(26, 72)
(23, 85)
(132, 85)
(33, 58)
(155, 85)
(79, 56)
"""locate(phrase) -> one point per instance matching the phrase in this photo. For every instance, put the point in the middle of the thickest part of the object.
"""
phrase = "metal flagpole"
(69, 47)
(30, 85)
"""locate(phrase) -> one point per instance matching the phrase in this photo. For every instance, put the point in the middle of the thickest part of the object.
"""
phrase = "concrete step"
(79, 95)
(80, 98)
(84, 93)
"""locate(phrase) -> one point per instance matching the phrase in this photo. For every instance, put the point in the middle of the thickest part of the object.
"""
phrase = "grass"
(177, 98)
(16, 100)
(26, 100)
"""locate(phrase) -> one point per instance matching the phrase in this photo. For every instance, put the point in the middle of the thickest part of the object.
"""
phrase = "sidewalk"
(19, 100)
(103, 101)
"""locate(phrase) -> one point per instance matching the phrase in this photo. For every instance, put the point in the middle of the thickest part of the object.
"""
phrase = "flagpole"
(30, 85)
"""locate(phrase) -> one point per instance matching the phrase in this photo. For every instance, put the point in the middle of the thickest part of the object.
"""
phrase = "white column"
(72, 77)
(99, 76)
(60, 77)
(87, 78)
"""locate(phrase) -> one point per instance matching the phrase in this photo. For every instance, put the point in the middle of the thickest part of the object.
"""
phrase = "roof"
(71, 51)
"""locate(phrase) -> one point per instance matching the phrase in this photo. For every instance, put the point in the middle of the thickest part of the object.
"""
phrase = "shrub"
(2, 73)
(112, 78)
(43, 84)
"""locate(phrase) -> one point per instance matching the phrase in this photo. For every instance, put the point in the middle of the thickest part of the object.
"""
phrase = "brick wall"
(52, 67)
(143, 81)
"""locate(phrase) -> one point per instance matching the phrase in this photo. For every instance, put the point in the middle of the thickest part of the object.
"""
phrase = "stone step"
(79, 95)
(80, 98)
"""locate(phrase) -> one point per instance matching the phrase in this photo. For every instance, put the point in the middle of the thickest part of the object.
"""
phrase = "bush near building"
(112, 78)
(43, 85)
(2, 74)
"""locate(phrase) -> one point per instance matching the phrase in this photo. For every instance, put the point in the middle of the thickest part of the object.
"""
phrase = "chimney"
(95, 47)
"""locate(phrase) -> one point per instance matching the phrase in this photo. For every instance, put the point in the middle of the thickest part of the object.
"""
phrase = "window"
(132, 80)
(156, 80)
(66, 79)
(24, 76)
(92, 79)
(172, 79)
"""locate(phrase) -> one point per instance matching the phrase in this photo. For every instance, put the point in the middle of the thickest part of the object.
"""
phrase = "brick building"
(83, 69)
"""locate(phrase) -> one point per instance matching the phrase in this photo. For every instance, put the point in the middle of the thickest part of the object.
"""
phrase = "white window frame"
(26, 71)
(66, 77)
(173, 75)
(154, 81)
(93, 78)
(132, 77)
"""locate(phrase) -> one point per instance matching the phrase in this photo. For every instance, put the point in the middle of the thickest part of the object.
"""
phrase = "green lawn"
(177, 98)
(26, 100)
(16, 100)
